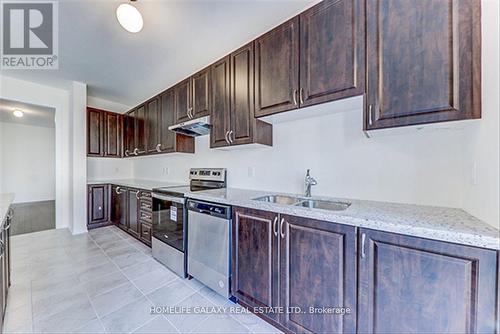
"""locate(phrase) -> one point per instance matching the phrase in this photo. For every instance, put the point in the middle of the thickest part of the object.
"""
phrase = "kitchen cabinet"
(332, 51)
(200, 85)
(95, 132)
(183, 107)
(140, 133)
(146, 217)
(432, 286)
(113, 135)
(104, 133)
(151, 125)
(277, 69)
(97, 205)
(129, 133)
(424, 62)
(134, 226)
(292, 262)
(317, 268)
(119, 208)
(235, 121)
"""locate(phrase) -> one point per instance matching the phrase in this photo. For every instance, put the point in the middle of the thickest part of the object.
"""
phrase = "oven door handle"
(179, 200)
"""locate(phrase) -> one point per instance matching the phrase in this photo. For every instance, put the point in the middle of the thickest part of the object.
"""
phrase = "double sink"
(305, 202)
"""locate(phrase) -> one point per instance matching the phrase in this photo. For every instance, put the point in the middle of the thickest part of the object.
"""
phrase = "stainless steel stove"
(169, 239)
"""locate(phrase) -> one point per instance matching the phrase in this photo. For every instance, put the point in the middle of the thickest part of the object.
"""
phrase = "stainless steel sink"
(305, 202)
(324, 205)
(279, 199)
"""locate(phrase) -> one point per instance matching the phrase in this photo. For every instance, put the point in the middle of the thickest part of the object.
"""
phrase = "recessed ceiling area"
(32, 114)
(178, 38)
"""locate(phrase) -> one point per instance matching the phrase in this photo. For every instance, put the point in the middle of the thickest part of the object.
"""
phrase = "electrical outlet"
(166, 170)
(251, 171)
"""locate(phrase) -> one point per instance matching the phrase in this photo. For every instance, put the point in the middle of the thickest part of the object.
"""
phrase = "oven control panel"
(208, 174)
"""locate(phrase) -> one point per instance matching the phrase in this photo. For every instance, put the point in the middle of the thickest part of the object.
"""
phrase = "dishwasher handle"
(206, 208)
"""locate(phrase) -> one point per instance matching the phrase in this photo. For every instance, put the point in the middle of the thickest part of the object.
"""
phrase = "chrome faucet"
(309, 181)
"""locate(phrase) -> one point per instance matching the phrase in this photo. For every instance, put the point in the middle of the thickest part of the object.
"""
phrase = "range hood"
(194, 127)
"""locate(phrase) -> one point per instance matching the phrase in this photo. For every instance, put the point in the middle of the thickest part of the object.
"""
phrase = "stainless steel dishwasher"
(209, 251)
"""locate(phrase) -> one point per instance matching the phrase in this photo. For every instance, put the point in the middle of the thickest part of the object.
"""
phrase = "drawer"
(146, 216)
(145, 195)
(146, 233)
(146, 205)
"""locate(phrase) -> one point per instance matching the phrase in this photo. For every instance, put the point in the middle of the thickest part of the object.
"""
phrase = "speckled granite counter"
(438, 223)
(136, 183)
(5, 202)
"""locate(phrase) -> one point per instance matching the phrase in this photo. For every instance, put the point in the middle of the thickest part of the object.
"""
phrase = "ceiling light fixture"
(129, 17)
(18, 113)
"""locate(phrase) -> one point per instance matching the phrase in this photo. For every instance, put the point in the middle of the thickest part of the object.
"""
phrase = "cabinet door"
(432, 286)
(255, 259)
(152, 124)
(146, 233)
(220, 111)
(140, 134)
(129, 136)
(95, 132)
(133, 212)
(113, 127)
(424, 62)
(182, 100)
(98, 202)
(332, 55)
(277, 69)
(318, 269)
(119, 207)
(242, 95)
(167, 118)
(201, 93)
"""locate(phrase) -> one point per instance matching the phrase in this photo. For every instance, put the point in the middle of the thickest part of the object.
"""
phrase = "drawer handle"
(275, 229)
(363, 243)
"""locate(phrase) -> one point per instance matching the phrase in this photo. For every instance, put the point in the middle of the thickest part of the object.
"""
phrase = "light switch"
(251, 171)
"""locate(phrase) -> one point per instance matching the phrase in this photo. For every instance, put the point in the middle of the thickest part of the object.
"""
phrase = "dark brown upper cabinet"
(332, 51)
(129, 133)
(152, 124)
(104, 133)
(183, 101)
(200, 86)
(234, 123)
(113, 135)
(432, 286)
(95, 132)
(424, 62)
(140, 133)
(277, 69)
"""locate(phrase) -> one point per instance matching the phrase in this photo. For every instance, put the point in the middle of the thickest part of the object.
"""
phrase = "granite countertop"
(5, 202)
(138, 183)
(438, 223)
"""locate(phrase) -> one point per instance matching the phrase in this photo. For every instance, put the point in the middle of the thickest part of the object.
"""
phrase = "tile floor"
(106, 282)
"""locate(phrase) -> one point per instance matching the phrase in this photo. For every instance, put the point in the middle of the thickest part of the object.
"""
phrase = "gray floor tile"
(104, 283)
(130, 259)
(142, 268)
(220, 323)
(129, 317)
(171, 293)
(157, 325)
(112, 300)
(96, 271)
(155, 279)
(92, 327)
(58, 302)
(186, 322)
(18, 320)
(213, 296)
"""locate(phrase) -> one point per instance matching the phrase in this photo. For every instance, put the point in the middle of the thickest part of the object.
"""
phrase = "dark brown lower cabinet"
(119, 207)
(146, 233)
(134, 227)
(414, 285)
(98, 215)
(298, 266)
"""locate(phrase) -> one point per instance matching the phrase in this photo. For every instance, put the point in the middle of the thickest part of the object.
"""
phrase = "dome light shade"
(18, 113)
(129, 17)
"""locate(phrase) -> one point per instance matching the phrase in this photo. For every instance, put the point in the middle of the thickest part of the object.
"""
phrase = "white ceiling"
(179, 37)
(33, 114)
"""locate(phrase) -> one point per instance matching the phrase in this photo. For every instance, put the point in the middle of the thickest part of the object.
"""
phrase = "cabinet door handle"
(229, 136)
(126, 153)
(282, 233)
(363, 244)
(227, 140)
(137, 195)
(301, 96)
(275, 226)
(370, 115)
(158, 148)
(136, 151)
(295, 96)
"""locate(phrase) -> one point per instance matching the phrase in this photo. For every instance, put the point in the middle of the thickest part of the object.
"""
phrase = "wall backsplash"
(423, 168)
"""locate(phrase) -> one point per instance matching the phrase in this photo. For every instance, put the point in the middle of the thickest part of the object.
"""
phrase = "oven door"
(168, 220)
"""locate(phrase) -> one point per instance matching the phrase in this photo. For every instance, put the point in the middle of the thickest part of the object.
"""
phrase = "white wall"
(30, 176)
(108, 169)
(482, 142)
(99, 103)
